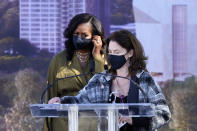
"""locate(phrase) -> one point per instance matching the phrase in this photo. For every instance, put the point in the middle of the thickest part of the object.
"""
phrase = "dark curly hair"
(97, 29)
(128, 41)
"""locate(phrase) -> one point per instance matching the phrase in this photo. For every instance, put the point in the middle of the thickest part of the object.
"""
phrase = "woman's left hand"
(97, 45)
(54, 100)
(125, 119)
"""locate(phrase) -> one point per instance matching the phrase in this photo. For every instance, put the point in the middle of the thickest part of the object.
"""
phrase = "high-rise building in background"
(179, 37)
(69, 9)
(126, 12)
(129, 26)
(40, 23)
(43, 22)
(167, 33)
(101, 9)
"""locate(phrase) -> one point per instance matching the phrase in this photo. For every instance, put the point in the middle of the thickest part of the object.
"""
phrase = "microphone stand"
(137, 85)
(56, 80)
(51, 84)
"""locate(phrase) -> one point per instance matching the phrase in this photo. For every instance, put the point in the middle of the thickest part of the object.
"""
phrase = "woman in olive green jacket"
(84, 45)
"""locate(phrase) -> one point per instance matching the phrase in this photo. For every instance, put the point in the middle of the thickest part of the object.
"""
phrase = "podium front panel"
(106, 112)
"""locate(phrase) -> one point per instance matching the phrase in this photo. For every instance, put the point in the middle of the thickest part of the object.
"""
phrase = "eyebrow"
(81, 32)
(116, 49)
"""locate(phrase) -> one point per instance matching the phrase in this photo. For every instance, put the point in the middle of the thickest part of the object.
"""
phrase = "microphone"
(136, 84)
(92, 66)
(105, 67)
(91, 71)
(56, 80)
(68, 99)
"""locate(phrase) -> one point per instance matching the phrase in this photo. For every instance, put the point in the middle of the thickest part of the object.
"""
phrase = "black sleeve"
(69, 100)
(141, 121)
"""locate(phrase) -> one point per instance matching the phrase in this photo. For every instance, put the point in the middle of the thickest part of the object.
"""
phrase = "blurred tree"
(16, 54)
(122, 12)
(119, 19)
(2, 123)
(20, 89)
(10, 23)
(9, 64)
(4, 5)
(29, 85)
(181, 96)
(15, 46)
(44, 53)
(8, 90)
(9, 19)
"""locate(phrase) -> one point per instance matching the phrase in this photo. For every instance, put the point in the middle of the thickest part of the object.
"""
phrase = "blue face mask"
(117, 61)
(81, 43)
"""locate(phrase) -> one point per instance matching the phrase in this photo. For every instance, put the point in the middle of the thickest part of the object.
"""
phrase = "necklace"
(121, 91)
(83, 57)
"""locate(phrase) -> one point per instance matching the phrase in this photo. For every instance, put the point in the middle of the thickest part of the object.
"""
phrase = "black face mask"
(81, 43)
(117, 61)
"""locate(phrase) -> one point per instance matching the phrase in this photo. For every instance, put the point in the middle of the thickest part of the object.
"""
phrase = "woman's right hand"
(97, 41)
(54, 100)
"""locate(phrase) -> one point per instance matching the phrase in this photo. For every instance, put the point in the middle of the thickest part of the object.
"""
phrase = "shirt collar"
(138, 75)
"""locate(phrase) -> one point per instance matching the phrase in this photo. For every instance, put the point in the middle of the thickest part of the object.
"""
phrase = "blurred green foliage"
(121, 12)
(15, 53)
(25, 88)
(181, 96)
(9, 18)
(15, 46)
(8, 92)
(23, 69)
(9, 64)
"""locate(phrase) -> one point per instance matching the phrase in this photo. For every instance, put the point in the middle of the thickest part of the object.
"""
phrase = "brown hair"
(128, 41)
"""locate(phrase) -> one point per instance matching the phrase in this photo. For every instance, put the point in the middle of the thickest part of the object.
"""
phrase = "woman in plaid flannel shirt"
(126, 58)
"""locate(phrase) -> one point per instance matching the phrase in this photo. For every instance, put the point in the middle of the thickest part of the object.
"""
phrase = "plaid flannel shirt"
(98, 89)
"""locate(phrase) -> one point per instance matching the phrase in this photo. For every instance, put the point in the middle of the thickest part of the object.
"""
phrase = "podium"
(109, 111)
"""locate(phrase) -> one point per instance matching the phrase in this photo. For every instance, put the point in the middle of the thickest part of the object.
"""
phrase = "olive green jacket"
(59, 68)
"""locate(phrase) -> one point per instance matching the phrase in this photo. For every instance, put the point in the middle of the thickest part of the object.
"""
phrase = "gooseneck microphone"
(56, 80)
(136, 84)
(91, 71)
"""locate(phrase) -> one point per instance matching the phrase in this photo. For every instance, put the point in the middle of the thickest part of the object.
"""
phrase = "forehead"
(83, 28)
(113, 45)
